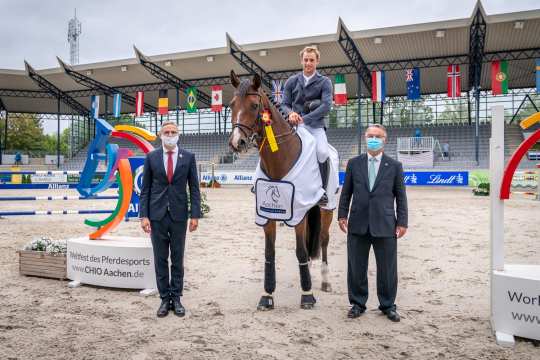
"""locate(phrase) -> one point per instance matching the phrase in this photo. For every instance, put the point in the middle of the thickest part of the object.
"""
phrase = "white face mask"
(170, 140)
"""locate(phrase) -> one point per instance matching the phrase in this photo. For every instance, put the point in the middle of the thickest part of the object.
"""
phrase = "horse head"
(246, 111)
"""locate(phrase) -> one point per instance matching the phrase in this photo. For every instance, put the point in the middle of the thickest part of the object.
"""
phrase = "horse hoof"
(307, 302)
(326, 287)
(266, 303)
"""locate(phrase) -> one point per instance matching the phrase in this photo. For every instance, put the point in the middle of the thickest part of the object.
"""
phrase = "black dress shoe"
(164, 308)
(355, 312)
(178, 308)
(393, 315)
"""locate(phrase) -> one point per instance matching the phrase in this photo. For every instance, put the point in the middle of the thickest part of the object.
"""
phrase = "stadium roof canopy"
(470, 42)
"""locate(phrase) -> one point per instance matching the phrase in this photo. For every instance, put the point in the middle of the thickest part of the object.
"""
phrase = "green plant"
(205, 208)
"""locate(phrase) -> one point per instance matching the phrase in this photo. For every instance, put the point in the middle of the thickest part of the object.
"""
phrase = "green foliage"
(205, 208)
(480, 181)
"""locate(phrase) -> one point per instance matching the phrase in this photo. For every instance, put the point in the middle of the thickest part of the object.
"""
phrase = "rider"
(307, 99)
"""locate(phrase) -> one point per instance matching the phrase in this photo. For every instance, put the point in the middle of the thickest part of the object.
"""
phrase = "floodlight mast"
(74, 31)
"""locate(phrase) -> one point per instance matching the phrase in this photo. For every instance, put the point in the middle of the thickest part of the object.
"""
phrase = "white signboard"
(516, 300)
(48, 178)
(118, 262)
(274, 199)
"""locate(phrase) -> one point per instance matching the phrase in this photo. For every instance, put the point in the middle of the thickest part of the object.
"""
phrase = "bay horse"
(312, 233)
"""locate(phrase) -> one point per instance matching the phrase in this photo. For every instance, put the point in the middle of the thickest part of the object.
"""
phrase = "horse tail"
(313, 232)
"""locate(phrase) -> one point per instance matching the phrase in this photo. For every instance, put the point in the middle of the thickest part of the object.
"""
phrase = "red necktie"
(170, 170)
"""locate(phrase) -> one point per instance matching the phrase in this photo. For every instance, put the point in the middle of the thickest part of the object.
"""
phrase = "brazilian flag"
(191, 99)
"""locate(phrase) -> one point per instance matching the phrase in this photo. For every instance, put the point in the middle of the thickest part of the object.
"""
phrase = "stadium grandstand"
(434, 131)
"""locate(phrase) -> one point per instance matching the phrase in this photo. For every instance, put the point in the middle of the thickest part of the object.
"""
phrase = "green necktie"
(372, 175)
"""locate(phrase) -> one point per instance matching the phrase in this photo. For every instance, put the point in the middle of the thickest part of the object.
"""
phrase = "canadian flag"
(217, 98)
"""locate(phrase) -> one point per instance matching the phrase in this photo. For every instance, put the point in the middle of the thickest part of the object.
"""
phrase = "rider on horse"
(307, 99)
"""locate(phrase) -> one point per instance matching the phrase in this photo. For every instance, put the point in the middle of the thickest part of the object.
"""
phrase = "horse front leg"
(307, 300)
(326, 221)
(267, 301)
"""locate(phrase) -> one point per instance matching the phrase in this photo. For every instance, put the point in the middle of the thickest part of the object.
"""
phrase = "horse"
(312, 233)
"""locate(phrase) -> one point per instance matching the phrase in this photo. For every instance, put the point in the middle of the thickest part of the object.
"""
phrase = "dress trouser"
(321, 142)
(385, 249)
(168, 234)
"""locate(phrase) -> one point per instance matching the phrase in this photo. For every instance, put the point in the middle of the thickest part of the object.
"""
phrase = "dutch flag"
(378, 88)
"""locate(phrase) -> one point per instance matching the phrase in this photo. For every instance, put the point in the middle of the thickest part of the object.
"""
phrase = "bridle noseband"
(254, 135)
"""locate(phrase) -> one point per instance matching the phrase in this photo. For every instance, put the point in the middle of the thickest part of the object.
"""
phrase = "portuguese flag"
(340, 90)
(499, 77)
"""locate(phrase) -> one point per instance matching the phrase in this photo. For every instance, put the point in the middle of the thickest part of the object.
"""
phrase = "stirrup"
(323, 201)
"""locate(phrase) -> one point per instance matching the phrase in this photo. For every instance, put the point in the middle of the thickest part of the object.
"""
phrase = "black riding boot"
(324, 168)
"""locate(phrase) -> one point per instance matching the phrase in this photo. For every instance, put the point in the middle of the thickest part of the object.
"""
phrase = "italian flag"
(499, 77)
(340, 90)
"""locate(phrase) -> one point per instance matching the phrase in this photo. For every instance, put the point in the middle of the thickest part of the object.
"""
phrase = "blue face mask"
(374, 144)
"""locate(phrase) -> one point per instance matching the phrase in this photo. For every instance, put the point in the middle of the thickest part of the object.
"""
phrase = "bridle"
(253, 133)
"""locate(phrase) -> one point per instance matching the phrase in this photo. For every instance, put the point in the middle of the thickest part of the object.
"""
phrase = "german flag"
(163, 102)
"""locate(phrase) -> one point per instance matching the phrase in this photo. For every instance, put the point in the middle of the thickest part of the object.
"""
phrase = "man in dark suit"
(164, 213)
(307, 99)
(374, 181)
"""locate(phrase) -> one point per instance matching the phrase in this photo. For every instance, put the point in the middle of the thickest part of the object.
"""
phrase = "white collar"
(175, 150)
(378, 157)
(307, 78)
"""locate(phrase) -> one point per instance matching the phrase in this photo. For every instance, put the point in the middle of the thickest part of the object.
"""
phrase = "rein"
(254, 136)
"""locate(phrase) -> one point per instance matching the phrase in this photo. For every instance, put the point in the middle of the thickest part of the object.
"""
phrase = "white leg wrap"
(324, 272)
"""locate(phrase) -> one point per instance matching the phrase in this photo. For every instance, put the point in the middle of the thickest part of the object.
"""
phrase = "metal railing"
(411, 144)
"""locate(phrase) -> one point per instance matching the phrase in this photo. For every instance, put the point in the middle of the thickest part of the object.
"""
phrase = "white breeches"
(322, 142)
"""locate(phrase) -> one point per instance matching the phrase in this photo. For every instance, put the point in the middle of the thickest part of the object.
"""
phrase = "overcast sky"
(36, 30)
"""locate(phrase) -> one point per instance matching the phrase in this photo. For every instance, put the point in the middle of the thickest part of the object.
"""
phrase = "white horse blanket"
(289, 199)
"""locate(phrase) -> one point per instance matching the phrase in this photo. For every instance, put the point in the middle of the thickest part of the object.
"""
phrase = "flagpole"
(359, 123)
(177, 105)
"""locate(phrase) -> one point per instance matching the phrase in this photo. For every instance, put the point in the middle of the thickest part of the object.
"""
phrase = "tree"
(25, 133)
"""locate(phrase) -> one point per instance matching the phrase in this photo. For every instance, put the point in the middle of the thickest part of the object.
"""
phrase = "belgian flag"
(163, 102)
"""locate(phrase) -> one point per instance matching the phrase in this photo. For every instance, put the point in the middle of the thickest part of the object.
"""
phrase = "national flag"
(378, 87)
(412, 77)
(217, 98)
(277, 91)
(191, 99)
(453, 81)
(340, 90)
(163, 102)
(538, 76)
(94, 104)
(117, 104)
(139, 103)
(499, 77)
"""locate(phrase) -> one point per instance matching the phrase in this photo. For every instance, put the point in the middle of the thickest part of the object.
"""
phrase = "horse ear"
(256, 82)
(234, 79)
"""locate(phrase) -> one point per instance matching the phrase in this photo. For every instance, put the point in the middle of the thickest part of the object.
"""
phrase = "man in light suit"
(164, 213)
(375, 182)
(307, 98)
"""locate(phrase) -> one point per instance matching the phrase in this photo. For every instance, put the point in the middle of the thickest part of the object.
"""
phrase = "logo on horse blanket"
(274, 199)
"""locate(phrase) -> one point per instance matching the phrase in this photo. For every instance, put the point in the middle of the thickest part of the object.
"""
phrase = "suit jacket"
(374, 210)
(295, 95)
(157, 194)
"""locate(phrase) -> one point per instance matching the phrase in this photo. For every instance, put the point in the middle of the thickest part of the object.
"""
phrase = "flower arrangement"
(47, 245)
